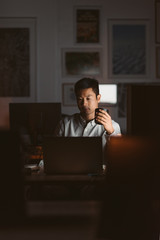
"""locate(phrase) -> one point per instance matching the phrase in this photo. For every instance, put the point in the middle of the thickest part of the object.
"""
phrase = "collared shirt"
(76, 126)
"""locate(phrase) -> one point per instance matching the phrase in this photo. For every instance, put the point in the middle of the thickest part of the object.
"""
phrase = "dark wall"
(143, 110)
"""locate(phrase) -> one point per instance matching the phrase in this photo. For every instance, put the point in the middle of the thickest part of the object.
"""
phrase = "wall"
(55, 30)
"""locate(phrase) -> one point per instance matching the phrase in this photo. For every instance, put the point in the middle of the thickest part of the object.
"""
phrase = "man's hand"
(105, 119)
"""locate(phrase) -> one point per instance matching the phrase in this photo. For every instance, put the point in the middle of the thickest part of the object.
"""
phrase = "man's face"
(87, 101)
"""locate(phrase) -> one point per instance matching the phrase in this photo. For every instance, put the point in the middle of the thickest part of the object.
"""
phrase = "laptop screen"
(73, 155)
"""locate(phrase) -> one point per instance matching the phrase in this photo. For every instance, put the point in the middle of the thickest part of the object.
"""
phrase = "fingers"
(105, 119)
(102, 116)
(103, 112)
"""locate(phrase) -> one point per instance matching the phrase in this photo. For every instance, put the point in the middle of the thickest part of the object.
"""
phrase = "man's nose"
(84, 102)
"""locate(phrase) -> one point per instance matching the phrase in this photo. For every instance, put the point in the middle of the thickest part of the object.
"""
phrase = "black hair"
(87, 83)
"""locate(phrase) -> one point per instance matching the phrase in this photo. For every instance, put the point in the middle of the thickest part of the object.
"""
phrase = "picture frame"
(128, 49)
(79, 62)
(17, 37)
(87, 24)
(158, 62)
(68, 95)
(157, 21)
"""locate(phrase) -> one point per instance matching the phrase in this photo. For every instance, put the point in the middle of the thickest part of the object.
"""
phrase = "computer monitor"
(34, 119)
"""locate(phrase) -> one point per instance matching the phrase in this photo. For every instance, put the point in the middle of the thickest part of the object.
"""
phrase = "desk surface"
(62, 178)
(53, 187)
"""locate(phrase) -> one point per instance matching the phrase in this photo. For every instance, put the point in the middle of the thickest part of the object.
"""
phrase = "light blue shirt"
(76, 126)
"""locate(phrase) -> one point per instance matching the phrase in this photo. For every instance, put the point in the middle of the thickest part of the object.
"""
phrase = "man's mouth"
(85, 109)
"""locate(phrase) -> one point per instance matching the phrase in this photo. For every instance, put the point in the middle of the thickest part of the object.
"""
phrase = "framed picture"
(68, 96)
(128, 49)
(17, 59)
(158, 62)
(157, 21)
(87, 24)
(81, 62)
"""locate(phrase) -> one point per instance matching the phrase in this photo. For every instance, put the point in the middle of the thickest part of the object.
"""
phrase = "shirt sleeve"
(117, 129)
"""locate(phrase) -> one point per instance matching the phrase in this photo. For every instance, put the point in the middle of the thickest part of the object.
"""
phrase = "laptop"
(73, 155)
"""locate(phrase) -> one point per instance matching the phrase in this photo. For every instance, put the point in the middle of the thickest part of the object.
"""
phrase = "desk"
(51, 187)
(51, 179)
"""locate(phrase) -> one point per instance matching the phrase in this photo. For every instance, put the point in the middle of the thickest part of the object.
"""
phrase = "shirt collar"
(83, 121)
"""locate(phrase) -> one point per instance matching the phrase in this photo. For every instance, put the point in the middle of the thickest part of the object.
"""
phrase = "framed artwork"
(87, 24)
(17, 59)
(68, 96)
(81, 62)
(158, 62)
(157, 21)
(128, 49)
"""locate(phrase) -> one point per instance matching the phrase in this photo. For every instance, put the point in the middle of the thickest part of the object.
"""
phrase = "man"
(83, 123)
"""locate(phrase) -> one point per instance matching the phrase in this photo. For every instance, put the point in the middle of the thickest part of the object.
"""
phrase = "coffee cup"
(97, 110)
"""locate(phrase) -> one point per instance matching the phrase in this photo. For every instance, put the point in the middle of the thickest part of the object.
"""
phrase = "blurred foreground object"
(12, 205)
(131, 208)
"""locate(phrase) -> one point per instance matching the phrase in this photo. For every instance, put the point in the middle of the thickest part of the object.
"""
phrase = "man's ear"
(98, 97)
